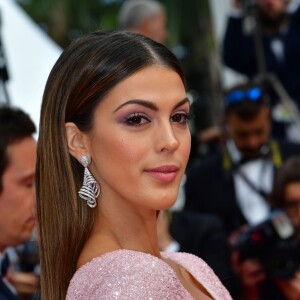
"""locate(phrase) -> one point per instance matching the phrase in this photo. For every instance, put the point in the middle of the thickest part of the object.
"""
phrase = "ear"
(77, 141)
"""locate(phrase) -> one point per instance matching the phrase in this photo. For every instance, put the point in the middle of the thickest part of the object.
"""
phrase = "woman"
(113, 147)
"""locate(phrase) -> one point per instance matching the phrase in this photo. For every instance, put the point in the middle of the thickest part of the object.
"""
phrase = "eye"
(181, 118)
(137, 119)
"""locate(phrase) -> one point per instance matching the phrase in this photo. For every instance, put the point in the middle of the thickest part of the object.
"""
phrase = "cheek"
(130, 150)
(186, 147)
(119, 151)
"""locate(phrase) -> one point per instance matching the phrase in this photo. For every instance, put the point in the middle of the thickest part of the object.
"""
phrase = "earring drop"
(90, 189)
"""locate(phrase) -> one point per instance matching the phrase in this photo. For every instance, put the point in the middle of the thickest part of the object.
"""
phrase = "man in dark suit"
(17, 193)
(235, 183)
(280, 42)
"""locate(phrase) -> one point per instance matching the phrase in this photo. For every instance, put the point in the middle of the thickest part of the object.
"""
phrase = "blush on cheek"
(132, 150)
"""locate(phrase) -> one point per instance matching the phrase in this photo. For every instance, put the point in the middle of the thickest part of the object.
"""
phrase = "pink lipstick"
(164, 174)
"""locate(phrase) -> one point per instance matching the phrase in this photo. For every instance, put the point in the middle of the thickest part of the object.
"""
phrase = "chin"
(166, 201)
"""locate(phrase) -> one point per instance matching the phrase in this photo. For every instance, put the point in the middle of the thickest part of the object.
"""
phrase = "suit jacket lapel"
(6, 293)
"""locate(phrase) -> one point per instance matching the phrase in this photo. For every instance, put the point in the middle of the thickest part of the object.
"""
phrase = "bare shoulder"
(96, 246)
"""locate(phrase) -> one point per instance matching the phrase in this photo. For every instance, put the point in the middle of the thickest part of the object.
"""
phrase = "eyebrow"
(149, 104)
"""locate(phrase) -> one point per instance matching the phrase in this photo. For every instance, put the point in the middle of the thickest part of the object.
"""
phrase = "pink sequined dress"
(127, 274)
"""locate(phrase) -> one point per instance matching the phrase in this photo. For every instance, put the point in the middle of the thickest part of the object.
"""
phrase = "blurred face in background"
(17, 198)
(292, 203)
(272, 8)
(250, 135)
(157, 28)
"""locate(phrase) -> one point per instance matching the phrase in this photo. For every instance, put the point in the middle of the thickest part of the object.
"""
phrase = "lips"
(164, 174)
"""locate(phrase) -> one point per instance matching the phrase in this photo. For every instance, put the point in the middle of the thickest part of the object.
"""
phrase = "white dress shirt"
(260, 172)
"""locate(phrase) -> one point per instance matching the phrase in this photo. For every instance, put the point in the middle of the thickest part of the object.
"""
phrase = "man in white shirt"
(235, 183)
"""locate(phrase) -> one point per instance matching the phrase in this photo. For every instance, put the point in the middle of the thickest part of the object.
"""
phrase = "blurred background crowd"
(238, 205)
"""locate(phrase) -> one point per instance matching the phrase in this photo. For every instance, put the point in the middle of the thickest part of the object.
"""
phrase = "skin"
(17, 200)
(155, 27)
(272, 8)
(122, 148)
(250, 135)
(128, 138)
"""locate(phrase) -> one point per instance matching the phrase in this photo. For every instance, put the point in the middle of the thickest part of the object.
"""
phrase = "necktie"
(4, 266)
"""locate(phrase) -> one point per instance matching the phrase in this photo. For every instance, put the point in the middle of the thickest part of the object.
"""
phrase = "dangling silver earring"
(90, 189)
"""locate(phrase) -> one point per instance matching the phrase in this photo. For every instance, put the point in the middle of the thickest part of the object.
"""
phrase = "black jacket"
(6, 293)
(210, 187)
(240, 55)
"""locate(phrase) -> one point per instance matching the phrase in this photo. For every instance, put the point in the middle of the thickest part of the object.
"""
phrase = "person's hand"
(290, 287)
(251, 274)
(24, 283)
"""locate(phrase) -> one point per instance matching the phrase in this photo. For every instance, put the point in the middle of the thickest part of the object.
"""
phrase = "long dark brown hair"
(83, 75)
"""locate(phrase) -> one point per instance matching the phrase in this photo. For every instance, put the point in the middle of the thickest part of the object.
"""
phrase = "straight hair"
(83, 75)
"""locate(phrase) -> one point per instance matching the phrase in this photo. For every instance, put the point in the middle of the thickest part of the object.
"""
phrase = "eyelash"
(132, 118)
(186, 116)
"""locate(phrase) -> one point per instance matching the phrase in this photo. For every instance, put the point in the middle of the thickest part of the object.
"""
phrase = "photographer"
(280, 41)
(234, 182)
(257, 280)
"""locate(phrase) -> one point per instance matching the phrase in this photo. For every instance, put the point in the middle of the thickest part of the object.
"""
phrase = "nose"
(253, 142)
(166, 140)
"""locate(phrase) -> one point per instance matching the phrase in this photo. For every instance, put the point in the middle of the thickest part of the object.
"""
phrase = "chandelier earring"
(90, 189)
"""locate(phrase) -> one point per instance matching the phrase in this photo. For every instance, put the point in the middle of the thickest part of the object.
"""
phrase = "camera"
(274, 243)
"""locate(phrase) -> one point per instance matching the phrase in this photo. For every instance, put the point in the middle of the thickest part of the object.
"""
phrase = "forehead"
(158, 84)
(160, 16)
(22, 155)
(261, 119)
(292, 191)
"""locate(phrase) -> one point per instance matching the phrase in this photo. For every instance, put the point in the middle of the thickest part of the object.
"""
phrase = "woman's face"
(292, 204)
(140, 141)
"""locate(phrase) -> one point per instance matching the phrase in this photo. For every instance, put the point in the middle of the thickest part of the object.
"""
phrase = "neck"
(126, 227)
